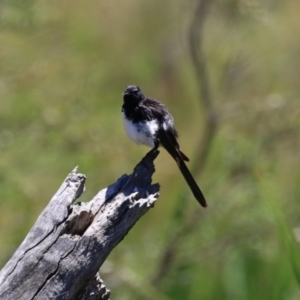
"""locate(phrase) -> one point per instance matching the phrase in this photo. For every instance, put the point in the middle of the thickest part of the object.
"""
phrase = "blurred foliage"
(63, 68)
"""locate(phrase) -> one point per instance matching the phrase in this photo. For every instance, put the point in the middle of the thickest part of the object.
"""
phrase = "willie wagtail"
(148, 122)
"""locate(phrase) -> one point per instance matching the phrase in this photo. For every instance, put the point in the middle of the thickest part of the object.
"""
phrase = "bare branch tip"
(74, 171)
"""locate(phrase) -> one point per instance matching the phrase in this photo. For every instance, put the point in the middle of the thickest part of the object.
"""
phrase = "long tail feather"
(179, 157)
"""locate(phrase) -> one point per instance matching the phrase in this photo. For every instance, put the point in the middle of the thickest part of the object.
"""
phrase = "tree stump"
(62, 253)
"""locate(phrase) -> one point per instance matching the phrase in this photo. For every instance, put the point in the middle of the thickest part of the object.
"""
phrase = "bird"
(148, 122)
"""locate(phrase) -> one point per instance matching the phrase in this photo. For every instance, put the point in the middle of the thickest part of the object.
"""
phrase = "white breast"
(142, 132)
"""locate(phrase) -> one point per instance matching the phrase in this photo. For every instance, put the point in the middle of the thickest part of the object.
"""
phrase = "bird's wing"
(154, 109)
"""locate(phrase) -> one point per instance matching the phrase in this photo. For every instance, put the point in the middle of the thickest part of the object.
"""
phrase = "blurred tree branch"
(61, 255)
(202, 78)
(186, 222)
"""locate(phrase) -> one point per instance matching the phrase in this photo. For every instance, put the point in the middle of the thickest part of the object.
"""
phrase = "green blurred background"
(63, 68)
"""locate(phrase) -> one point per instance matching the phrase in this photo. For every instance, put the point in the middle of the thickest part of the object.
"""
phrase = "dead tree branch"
(61, 255)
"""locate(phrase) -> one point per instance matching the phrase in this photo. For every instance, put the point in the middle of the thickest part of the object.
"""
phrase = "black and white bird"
(148, 122)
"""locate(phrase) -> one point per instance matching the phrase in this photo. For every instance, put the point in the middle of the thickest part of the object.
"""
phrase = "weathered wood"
(61, 255)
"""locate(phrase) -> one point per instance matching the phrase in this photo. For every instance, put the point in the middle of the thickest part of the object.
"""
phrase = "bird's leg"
(156, 145)
(155, 148)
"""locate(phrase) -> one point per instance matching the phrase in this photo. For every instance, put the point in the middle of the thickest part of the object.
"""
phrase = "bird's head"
(133, 94)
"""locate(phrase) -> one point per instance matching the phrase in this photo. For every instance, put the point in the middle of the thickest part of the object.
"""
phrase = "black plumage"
(147, 121)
